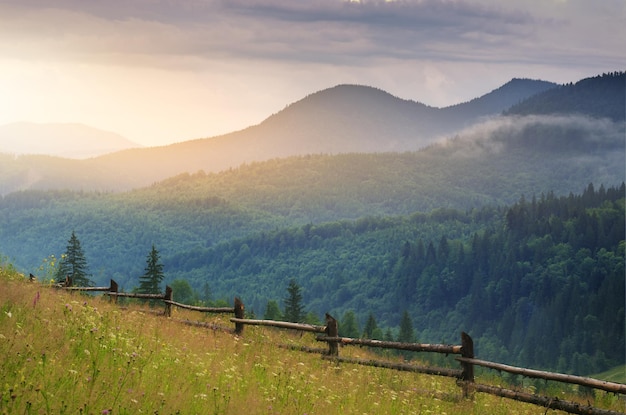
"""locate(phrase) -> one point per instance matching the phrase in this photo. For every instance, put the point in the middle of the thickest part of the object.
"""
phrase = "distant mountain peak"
(505, 96)
(69, 140)
(351, 95)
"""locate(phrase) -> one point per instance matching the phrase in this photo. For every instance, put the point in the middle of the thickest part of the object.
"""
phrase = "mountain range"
(484, 230)
(493, 162)
(342, 119)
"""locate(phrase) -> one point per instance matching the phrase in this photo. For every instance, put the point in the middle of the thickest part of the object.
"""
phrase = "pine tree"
(294, 311)
(406, 334)
(73, 264)
(206, 293)
(272, 311)
(149, 283)
(370, 327)
(349, 326)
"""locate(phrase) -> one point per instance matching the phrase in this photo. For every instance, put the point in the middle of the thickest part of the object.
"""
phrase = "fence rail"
(414, 347)
(464, 376)
(559, 377)
(280, 324)
(225, 310)
(404, 367)
(545, 401)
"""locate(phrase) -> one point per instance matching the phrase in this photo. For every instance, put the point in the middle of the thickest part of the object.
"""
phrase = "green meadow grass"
(617, 374)
(68, 353)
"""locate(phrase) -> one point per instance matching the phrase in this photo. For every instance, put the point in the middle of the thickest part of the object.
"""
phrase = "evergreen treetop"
(73, 264)
(294, 311)
(150, 282)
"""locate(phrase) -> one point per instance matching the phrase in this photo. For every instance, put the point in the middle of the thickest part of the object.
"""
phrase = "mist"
(550, 133)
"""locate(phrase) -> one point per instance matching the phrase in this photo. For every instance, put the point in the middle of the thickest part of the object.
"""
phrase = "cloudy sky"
(162, 71)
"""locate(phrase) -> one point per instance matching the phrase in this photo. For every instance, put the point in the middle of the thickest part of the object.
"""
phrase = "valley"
(495, 228)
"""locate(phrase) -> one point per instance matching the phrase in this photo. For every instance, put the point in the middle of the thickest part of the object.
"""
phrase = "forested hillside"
(548, 269)
(600, 96)
(539, 284)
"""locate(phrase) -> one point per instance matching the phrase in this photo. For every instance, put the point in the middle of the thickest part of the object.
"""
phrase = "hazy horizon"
(158, 72)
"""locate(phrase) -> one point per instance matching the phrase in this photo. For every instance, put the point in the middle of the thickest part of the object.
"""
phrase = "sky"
(164, 71)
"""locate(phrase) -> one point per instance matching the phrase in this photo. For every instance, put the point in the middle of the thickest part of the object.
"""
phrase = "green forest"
(539, 284)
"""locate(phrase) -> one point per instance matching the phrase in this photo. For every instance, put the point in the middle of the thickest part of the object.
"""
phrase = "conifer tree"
(349, 326)
(149, 283)
(294, 311)
(371, 327)
(73, 264)
(272, 311)
(406, 334)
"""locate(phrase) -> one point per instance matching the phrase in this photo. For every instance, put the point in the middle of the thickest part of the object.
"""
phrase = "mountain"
(342, 119)
(599, 96)
(513, 92)
(351, 118)
(75, 141)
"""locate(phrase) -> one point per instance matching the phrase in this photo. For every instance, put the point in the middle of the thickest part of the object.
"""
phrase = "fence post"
(332, 330)
(239, 313)
(168, 297)
(467, 376)
(113, 289)
(68, 281)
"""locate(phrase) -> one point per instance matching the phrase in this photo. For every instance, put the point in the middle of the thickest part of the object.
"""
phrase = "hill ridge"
(315, 124)
(65, 140)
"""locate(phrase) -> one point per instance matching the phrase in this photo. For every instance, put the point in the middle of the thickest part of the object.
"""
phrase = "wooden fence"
(329, 333)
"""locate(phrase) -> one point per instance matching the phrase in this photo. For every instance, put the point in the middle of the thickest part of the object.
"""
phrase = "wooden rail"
(405, 367)
(225, 310)
(280, 324)
(414, 347)
(545, 401)
(87, 288)
(559, 377)
(112, 292)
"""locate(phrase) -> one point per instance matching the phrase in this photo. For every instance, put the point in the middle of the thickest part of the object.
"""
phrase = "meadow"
(68, 353)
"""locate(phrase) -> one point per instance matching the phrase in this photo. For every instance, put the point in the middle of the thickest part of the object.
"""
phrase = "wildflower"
(105, 412)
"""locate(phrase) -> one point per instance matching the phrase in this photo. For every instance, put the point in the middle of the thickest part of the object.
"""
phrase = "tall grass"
(64, 353)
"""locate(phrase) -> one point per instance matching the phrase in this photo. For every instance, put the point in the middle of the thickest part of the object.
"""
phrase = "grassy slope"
(69, 353)
(617, 374)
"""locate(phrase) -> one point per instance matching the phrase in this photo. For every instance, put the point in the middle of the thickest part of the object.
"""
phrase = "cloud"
(540, 133)
(319, 31)
(208, 67)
